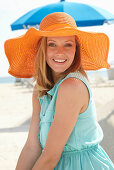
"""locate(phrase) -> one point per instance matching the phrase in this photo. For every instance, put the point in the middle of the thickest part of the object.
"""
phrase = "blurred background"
(13, 9)
(16, 94)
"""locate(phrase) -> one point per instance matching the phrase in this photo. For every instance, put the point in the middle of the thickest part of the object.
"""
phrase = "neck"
(55, 77)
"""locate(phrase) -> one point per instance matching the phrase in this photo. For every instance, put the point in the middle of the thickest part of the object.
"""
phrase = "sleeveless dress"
(82, 150)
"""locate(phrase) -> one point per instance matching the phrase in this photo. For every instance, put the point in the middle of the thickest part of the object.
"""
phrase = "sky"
(11, 10)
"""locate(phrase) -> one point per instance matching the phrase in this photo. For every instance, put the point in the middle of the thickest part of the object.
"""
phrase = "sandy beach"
(15, 116)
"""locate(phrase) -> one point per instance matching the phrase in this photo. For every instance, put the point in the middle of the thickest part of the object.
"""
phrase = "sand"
(16, 112)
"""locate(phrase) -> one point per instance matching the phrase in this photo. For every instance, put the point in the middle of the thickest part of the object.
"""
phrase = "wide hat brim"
(21, 51)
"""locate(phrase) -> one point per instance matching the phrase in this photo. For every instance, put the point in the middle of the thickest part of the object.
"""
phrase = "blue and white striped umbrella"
(84, 15)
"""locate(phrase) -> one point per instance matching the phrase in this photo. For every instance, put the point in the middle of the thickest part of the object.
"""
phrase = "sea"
(11, 79)
(7, 79)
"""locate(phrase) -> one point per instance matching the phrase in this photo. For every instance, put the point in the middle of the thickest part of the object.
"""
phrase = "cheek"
(49, 56)
(49, 53)
(71, 53)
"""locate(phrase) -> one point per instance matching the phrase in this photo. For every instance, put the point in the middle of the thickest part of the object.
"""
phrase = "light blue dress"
(82, 150)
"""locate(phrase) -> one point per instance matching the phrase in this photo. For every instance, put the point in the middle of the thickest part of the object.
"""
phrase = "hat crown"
(57, 18)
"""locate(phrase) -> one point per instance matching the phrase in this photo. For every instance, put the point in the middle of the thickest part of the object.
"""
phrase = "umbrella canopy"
(84, 15)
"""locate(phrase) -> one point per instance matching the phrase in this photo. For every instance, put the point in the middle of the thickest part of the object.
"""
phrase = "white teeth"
(59, 60)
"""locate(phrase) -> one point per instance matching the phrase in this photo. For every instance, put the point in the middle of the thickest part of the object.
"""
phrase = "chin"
(59, 71)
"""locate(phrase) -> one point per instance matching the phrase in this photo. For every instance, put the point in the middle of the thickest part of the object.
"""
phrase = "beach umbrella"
(84, 15)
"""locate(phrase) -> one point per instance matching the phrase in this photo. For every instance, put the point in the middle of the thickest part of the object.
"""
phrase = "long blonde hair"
(43, 73)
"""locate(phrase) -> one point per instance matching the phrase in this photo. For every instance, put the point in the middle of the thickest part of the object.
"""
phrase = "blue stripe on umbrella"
(84, 15)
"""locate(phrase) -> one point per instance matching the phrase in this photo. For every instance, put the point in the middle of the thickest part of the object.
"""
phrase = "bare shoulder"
(74, 89)
(73, 85)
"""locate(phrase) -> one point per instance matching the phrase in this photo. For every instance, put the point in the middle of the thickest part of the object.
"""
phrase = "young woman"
(64, 133)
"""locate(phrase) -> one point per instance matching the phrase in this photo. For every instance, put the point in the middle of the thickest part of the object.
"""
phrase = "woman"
(57, 56)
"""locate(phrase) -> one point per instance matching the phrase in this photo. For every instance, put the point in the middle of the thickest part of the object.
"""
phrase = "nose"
(60, 50)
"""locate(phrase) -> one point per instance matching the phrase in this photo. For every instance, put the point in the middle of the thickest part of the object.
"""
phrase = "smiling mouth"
(59, 61)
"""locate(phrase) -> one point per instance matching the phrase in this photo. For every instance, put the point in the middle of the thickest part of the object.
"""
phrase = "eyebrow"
(51, 40)
(69, 40)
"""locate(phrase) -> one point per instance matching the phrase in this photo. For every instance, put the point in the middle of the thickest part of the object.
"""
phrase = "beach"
(16, 112)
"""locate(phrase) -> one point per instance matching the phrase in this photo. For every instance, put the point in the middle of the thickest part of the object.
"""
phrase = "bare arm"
(32, 149)
(70, 101)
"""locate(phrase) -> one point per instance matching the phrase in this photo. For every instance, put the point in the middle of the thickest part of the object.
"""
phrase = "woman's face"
(60, 53)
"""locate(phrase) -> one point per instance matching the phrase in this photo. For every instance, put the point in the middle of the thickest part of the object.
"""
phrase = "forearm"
(43, 163)
(27, 158)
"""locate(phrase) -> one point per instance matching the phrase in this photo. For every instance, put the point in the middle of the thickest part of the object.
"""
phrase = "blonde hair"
(43, 73)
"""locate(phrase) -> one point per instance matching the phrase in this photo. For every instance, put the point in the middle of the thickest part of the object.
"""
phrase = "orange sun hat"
(21, 51)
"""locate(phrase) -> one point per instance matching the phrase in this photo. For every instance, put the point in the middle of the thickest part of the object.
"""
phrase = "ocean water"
(103, 74)
(11, 79)
(7, 79)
